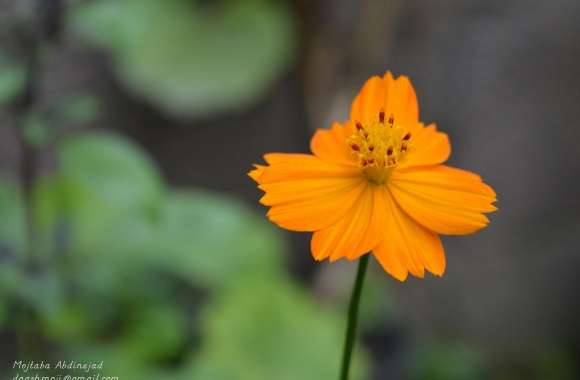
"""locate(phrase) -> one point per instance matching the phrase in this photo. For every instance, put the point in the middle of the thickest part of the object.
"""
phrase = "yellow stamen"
(379, 147)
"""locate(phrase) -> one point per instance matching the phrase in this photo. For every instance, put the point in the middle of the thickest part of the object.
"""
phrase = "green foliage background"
(121, 249)
(192, 58)
(104, 260)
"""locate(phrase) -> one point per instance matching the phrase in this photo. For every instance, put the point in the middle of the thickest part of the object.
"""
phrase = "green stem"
(353, 316)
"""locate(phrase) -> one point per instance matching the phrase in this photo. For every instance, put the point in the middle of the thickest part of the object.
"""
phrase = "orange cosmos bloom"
(376, 183)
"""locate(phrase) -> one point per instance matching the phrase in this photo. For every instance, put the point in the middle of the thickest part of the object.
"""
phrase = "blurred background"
(130, 233)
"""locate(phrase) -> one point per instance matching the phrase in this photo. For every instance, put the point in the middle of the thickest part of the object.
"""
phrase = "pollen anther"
(379, 149)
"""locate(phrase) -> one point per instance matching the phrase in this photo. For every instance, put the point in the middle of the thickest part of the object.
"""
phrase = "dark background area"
(502, 78)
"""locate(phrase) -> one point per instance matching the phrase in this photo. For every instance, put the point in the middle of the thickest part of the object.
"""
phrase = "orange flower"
(376, 183)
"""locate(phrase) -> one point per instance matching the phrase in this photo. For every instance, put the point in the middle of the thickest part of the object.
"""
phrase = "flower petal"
(358, 232)
(430, 147)
(444, 199)
(369, 101)
(408, 246)
(256, 173)
(394, 96)
(330, 144)
(402, 101)
(288, 166)
(312, 207)
(292, 191)
(306, 193)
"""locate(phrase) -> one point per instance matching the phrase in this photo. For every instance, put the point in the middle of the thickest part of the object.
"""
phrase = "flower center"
(380, 146)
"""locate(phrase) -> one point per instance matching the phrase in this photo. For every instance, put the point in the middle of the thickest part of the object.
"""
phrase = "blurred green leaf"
(110, 197)
(449, 362)
(10, 280)
(12, 224)
(215, 240)
(106, 180)
(49, 206)
(70, 323)
(42, 291)
(80, 108)
(192, 59)
(556, 363)
(12, 80)
(3, 308)
(124, 233)
(270, 330)
(138, 306)
(155, 331)
(121, 363)
(35, 129)
(208, 240)
(111, 169)
(37, 290)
